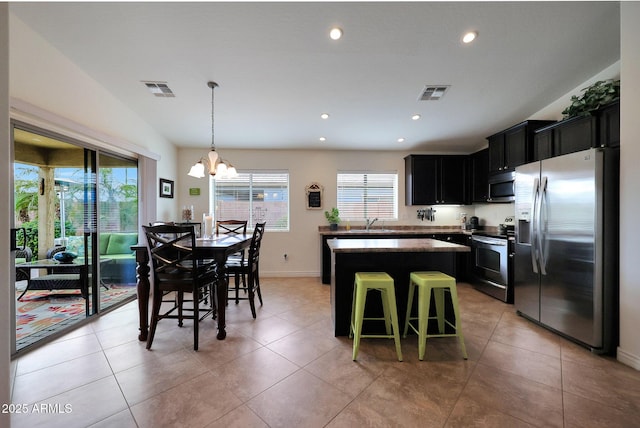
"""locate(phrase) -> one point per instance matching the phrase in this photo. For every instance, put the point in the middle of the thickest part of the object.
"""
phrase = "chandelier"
(216, 166)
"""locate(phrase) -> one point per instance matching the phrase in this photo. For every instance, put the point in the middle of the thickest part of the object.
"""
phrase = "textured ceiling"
(278, 70)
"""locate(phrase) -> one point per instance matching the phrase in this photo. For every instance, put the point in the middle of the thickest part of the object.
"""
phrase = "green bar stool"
(382, 282)
(439, 283)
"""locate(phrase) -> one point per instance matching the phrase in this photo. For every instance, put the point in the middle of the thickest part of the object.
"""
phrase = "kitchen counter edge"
(373, 245)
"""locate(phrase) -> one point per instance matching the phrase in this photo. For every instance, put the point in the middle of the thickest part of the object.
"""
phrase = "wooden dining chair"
(249, 267)
(231, 226)
(175, 270)
(234, 227)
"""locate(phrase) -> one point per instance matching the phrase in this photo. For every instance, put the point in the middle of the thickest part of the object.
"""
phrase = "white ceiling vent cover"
(159, 89)
(433, 92)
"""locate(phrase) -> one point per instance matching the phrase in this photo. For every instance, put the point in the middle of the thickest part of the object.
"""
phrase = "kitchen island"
(441, 233)
(396, 256)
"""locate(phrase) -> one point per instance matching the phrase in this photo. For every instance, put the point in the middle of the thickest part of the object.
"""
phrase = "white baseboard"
(628, 359)
(289, 274)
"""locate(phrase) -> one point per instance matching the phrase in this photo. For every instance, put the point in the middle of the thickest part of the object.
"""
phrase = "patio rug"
(42, 310)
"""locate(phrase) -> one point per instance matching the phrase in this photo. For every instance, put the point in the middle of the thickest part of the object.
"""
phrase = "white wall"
(302, 242)
(6, 214)
(629, 349)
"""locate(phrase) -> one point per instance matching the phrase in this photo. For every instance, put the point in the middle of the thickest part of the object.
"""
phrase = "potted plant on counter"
(333, 217)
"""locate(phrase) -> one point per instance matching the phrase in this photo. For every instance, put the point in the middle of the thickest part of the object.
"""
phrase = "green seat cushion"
(120, 243)
(104, 242)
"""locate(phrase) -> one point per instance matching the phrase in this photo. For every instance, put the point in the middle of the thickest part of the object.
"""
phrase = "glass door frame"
(91, 222)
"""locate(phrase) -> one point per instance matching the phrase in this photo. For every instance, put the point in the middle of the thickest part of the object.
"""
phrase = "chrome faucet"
(369, 223)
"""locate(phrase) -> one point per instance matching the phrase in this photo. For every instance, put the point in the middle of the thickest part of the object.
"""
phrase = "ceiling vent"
(433, 92)
(159, 89)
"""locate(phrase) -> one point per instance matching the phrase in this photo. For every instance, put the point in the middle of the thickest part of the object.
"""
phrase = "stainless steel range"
(492, 265)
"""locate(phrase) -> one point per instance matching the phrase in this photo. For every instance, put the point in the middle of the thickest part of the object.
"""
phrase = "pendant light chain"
(219, 167)
(212, 85)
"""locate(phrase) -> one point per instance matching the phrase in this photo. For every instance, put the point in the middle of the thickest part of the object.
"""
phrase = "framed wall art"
(166, 188)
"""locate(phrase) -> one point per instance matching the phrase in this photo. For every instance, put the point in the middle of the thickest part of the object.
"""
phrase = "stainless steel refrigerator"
(566, 253)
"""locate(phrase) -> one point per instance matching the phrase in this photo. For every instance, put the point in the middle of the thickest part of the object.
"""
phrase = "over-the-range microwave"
(502, 187)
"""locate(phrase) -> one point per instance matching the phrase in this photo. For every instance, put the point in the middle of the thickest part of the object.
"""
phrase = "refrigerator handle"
(532, 225)
(542, 194)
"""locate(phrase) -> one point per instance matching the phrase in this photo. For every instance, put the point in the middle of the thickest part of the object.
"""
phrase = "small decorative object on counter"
(463, 220)
(187, 213)
(333, 217)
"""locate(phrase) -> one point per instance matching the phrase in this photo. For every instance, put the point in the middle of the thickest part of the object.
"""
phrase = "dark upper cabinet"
(602, 129)
(420, 177)
(453, 180)
(517, 147)
(575, 134)
(496, 153)
(479, 176)
(609, 121)
(513, 147)
(434, 179)
(543, 144)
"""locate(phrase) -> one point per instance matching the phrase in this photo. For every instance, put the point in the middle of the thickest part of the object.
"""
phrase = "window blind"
(364, 195)
(255, 196)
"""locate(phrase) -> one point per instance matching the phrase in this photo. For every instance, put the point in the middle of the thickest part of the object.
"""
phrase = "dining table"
(216, 247)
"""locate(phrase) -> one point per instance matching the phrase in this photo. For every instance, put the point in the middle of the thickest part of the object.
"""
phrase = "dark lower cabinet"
(399, 266)
(462, 259)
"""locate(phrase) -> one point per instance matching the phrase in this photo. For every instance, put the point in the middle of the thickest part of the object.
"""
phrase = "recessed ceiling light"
(416, 117)
(401, 140)
(469, 37)
(335, 33)
(324, 115)
(323, 139)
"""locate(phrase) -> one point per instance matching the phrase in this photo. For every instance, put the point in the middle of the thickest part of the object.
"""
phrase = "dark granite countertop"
(393, 230)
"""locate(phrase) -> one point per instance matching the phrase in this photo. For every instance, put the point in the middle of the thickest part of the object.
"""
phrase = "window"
(254, 196)
(368, 195)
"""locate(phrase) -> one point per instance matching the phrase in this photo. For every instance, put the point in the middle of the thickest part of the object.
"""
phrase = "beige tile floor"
(285, 369)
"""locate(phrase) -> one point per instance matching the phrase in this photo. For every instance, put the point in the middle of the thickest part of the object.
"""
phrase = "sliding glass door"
(76, 214)
(118, 208)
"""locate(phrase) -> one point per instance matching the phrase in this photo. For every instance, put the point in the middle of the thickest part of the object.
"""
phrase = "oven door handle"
(490, 241)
